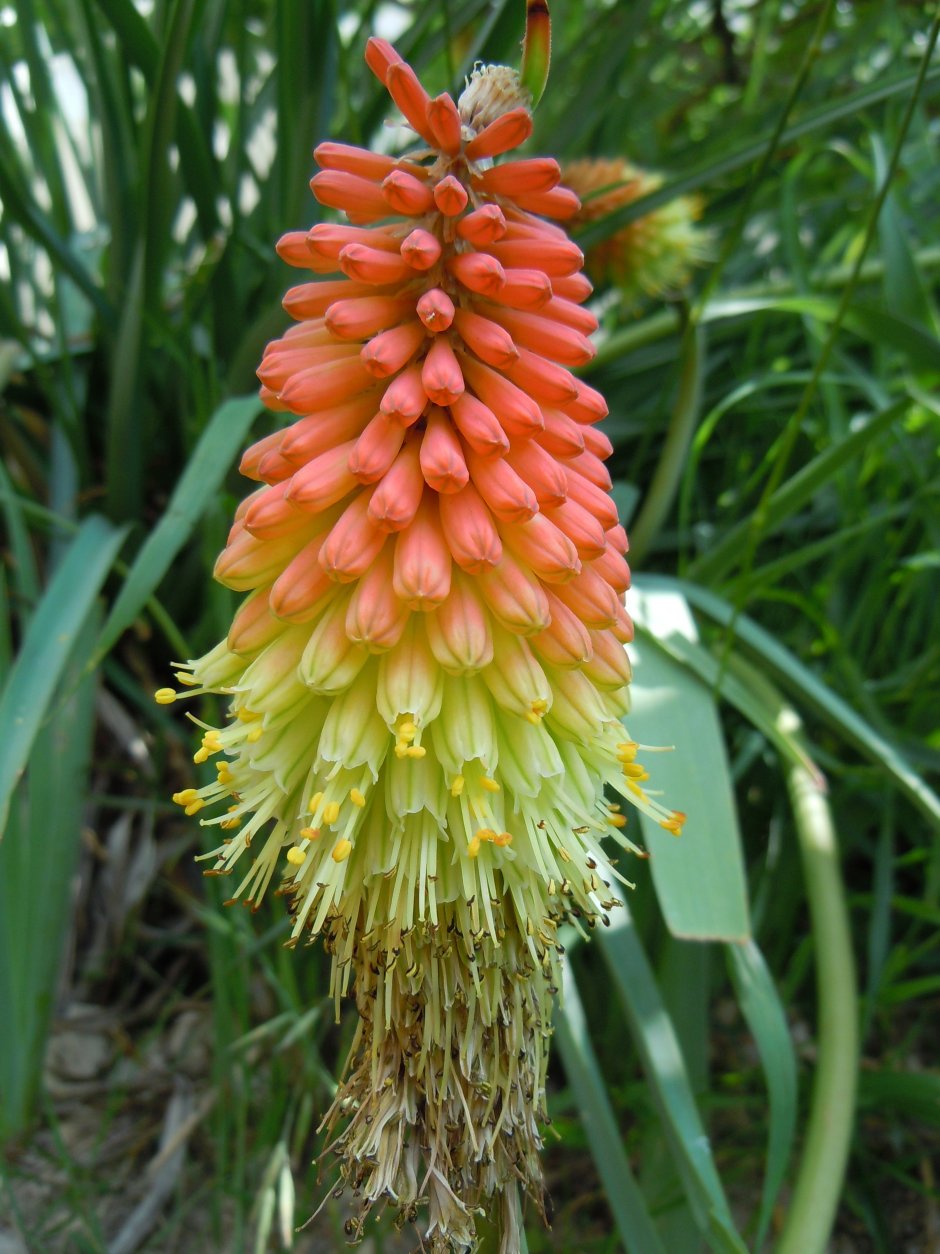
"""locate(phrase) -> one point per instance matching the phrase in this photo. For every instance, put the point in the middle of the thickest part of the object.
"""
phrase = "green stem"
(828, 1139)
(671, 464)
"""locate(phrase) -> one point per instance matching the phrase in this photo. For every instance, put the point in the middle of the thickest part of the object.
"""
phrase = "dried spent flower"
(426, 679)
(653, 255)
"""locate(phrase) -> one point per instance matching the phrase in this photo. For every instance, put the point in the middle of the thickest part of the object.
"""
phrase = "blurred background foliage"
(749, 1054)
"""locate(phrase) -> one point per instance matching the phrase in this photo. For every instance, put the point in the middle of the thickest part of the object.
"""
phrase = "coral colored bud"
(519, 415)
(442, 461)
(444, 121)
(487, 339)
(436, 310)
(513, 178)
(360, 161)
(282, 362)
(515, 679)
(375, 616)
(482, 226)
(591, 598)
(326, 240)
(544, 548)
(422, 560)
(246, 563)
(596, 442)
(516, 597)
(617, 538)
(478, 425)
(353, 544)
(592, 498)
(321, 387)
(349, 192)
(560, 202)
(388, 352)
(441, 375)
(312, 300)
(544, 475)
(325, 480)
(405, 89)
(270, 515)
(553, 257)
(504, 133)
(612, 567)
(405, 398)
(573, 287)
(376, 449)
(623, 625)
(366, 315)
(565, 641)
(581, 527)
(406, 194)
(562, 437)
(544, 381)
(450, 196)
(254, 625)
(395, 501)
(380, 57)
(292, 248)
(478, 272)
(546, 336)
(459, 632)
(373, 265)
(303, 587)
(570, 315)
(421, 249)
(508, 496)
(470, 530)
(250, 464)
(523, 289)
(609, 666)
(593, 470)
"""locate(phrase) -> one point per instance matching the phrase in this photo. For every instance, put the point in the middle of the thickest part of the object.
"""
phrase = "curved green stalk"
(682, 422)
(826, 1147)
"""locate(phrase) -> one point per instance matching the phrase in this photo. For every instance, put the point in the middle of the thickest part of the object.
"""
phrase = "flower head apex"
(426, 679)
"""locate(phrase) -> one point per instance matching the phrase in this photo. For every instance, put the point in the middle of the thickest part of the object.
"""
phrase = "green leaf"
(760, 1003)
(631, 1216)
(699, 876)
(204, 473)
(69, 596)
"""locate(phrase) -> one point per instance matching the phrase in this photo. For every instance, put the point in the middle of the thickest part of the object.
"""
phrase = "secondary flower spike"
(426, 679)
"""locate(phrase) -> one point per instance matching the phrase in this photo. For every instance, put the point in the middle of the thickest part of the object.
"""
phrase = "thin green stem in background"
(825, 1152)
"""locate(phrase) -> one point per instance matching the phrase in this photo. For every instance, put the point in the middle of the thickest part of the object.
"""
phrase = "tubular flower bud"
(426, 680)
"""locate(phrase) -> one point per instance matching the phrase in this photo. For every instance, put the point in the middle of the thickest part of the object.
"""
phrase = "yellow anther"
(407, 730)
(230, 824)
(401, 749)
(194, 806)
(531, 717)
(673, 823)
(331, 812)
(626, 750)
(473, 848)
(485, 833)
(633, 770)
(185, 797)
(184, 678)
(310, 833)
(415, 751)
(224, 771)
(314, 801)
(255, 735)
(457, 785)
(244, 715)
(614, 807)
(502, 839)
(341, 850)
(295, 856)
(212, 741)
(489, 784)
(539, 707)
(201, 755)
(165, 696)
(617, 820)
(356, 797)
(635, 789)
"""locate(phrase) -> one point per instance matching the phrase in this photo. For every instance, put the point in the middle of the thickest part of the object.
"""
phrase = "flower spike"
(425, 681)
